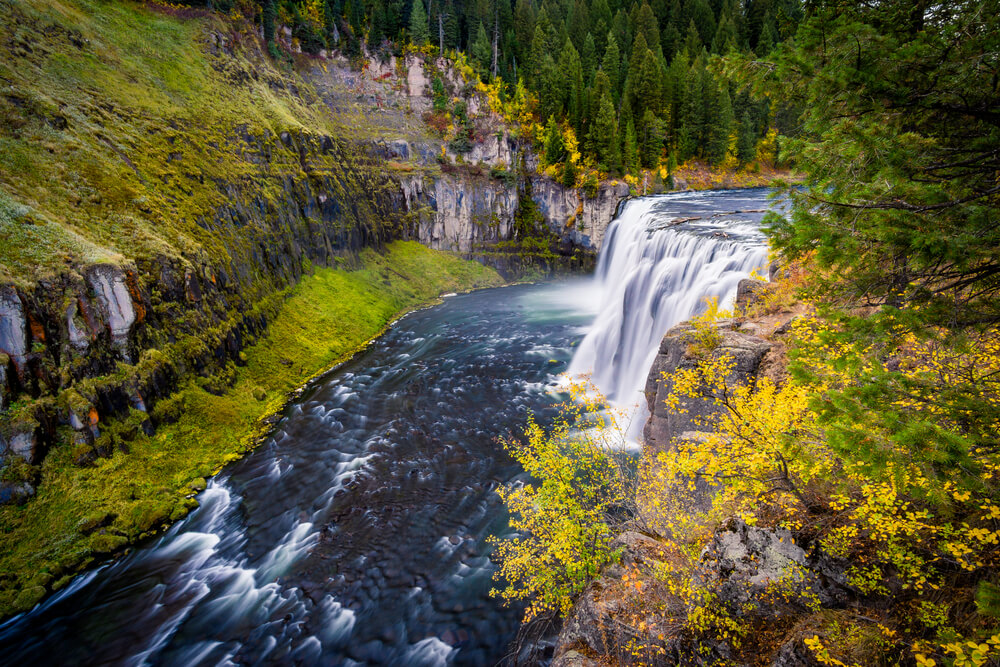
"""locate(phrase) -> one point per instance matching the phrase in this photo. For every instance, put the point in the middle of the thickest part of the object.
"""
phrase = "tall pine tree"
(420, 32)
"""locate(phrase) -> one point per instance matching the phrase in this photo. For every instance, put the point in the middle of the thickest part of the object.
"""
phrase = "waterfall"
(662, 256)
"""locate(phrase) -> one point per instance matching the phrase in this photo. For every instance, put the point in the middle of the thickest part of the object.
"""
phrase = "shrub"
(567, 516)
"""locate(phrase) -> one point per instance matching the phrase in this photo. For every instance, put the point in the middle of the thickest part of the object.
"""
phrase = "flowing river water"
(357, 533)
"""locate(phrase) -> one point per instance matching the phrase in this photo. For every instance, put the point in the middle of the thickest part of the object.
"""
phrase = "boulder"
(15, 492)
(751, 292)
(764, 572)
(663, 425)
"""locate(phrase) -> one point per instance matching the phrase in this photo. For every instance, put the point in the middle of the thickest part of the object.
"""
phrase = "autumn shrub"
(704, 327)
(567, 515)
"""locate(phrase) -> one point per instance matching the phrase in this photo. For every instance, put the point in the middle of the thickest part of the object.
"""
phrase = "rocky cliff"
(158, 205)
(467, 199)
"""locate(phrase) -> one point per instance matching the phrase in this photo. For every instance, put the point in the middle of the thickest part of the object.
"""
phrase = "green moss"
(93, 521)
(107, 543)
(29, 597)
(327, 317)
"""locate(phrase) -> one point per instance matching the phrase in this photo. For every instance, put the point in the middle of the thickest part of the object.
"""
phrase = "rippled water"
(357, 533)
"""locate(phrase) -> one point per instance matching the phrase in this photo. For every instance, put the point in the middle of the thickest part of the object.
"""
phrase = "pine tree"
(569, 174)
(691, 129)
(480, 49)
(330, 13)
(611, 66)
(420, 32)
(537, 55)
(268, 16)
(725, 35)
(570, 83)
(648, 81)
(674, 95)
(720, 127)
(578, 23)
(746, 141)
(670, 40)
(600, 23)
(604, 135)
(701, 14)
(767, 40)
(555, 151)
(549, 88)
(692, 41)
(523, 31)
(377, 24)
(630, 150)
(646, 25)
(600, 90)
(650, 140)
(588, 59)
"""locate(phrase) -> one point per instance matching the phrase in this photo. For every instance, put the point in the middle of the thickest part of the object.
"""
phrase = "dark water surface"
(356, 534)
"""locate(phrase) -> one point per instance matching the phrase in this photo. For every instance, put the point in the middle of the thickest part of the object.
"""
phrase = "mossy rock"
(169, 410)
(42, 579)
(183, 508)
(93, 521)
(29, 597)
(106, 543)
(198, 485)
(259, 393)
(147, 515)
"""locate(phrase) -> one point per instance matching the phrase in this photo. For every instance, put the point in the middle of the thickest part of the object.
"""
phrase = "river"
(356, 534)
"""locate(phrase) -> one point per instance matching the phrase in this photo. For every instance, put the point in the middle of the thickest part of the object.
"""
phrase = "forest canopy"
(630, 82)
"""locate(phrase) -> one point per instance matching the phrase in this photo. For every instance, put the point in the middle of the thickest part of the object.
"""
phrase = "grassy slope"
(114, 120)
(327, 317)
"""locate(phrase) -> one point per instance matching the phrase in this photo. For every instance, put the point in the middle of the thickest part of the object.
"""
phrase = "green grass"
(81, 513)
(116, 121)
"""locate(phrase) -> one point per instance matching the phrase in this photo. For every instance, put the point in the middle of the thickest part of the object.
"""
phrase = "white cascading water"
(655, 271)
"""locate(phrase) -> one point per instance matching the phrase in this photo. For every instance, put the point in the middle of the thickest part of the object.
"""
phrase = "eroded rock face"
(746, 350)
(569, 212)
(13, 327)
(108, 284)
(468, 211)
(764, 572)
(4, 386)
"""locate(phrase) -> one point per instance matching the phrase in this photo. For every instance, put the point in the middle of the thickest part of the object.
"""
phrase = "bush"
(568, 515)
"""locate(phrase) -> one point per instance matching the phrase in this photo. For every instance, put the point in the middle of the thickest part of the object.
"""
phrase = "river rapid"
(357, 533)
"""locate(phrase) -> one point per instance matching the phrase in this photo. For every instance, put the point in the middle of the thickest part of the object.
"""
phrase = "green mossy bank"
(83, 513)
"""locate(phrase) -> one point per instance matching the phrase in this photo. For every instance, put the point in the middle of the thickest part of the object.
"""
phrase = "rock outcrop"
(678, 350)
(575, 216)
(467, 201)
(765, 571)
(94, 344)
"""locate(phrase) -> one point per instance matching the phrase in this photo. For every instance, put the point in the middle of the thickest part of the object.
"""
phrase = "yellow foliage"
(563, 518)
(766, 456)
